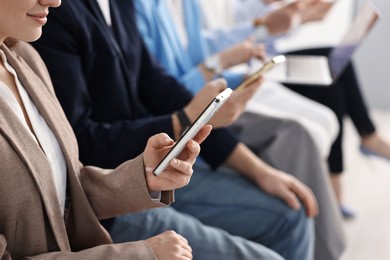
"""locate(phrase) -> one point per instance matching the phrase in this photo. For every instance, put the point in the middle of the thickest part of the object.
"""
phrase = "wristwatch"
(213, 63)
(260, 30)
(183, 119)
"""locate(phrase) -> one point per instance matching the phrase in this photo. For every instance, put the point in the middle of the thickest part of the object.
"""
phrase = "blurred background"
(371, 59)
(366, 179)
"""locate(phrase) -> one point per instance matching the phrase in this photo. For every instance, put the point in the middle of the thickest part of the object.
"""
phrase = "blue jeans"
(225, 216)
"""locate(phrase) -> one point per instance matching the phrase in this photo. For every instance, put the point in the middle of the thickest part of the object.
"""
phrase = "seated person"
(218, 18)
(109, 65)
(344, 97)
(50, 203)
(181, 48)
(184, 59)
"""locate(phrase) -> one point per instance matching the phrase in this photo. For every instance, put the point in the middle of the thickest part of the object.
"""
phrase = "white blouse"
(43, 133)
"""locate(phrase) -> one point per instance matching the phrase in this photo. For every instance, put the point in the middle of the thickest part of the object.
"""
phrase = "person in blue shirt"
(188, 56)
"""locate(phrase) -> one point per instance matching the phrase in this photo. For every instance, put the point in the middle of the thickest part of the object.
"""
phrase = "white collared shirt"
(43, 134)
(105, 8)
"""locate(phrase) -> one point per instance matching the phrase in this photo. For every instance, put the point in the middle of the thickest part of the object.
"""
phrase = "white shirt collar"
(105, 7)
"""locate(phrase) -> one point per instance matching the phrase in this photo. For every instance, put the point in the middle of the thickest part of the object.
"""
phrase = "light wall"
(373, 60)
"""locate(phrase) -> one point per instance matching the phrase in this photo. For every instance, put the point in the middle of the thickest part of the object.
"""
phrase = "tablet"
(192, 130)
(266, 67)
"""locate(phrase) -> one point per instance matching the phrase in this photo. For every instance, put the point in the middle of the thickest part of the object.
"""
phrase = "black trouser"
(344, 98)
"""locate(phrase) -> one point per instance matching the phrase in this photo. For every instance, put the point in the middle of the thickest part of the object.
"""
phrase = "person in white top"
(48, 207)
(343, 96)
(223, 30)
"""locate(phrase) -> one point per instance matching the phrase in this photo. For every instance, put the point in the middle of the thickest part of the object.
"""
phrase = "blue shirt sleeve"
(220, 39)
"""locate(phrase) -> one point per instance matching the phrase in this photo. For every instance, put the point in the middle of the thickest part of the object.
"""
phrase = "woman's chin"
(33, 36)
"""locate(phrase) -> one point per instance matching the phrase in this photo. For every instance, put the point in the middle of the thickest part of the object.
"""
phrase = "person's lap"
(276, 100)
(207, 242)
(228, 201)
(227, 204)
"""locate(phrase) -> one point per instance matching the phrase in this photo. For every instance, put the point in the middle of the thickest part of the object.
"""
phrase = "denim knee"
(297, 231)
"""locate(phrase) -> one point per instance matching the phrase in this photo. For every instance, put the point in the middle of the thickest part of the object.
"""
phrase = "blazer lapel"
(97, 12)
(30, 151)
(49, 108)
(38, 165)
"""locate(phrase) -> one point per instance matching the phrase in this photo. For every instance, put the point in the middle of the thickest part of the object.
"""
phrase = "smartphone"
(192, 130)
(266, 67)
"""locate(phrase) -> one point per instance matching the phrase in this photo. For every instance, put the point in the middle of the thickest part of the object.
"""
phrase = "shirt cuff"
(260, 32)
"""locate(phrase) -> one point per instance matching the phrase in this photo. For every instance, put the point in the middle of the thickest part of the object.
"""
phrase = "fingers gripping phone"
(192, 130)
(266, 67)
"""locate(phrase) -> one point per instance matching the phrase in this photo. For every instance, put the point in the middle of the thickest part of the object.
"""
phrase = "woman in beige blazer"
(50, 205)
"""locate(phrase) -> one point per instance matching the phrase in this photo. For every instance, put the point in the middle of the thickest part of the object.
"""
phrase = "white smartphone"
(266, 67)
(191, 131)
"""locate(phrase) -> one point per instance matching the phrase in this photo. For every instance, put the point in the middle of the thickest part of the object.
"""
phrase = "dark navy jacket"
(114, 95)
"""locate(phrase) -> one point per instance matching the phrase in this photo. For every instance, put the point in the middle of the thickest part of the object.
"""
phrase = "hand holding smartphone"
(266, 67)
(203, 118)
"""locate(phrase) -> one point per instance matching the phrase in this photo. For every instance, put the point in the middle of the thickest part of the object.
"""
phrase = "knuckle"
(171, 233)
(190, 170)
(176, 239)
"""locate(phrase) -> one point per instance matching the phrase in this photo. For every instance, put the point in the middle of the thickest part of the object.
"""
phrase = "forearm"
(244, 161)
(218, 40)
(108, 145)
(273, 181)
(112, 192)
(206, 73)
(132, 250)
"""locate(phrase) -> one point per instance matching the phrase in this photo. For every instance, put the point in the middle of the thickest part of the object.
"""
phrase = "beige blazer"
(31, 223)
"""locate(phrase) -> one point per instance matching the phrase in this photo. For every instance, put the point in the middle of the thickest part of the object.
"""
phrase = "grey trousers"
(287, 146)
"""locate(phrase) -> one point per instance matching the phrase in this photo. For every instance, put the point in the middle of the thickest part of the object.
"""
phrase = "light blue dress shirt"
(158, 31)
